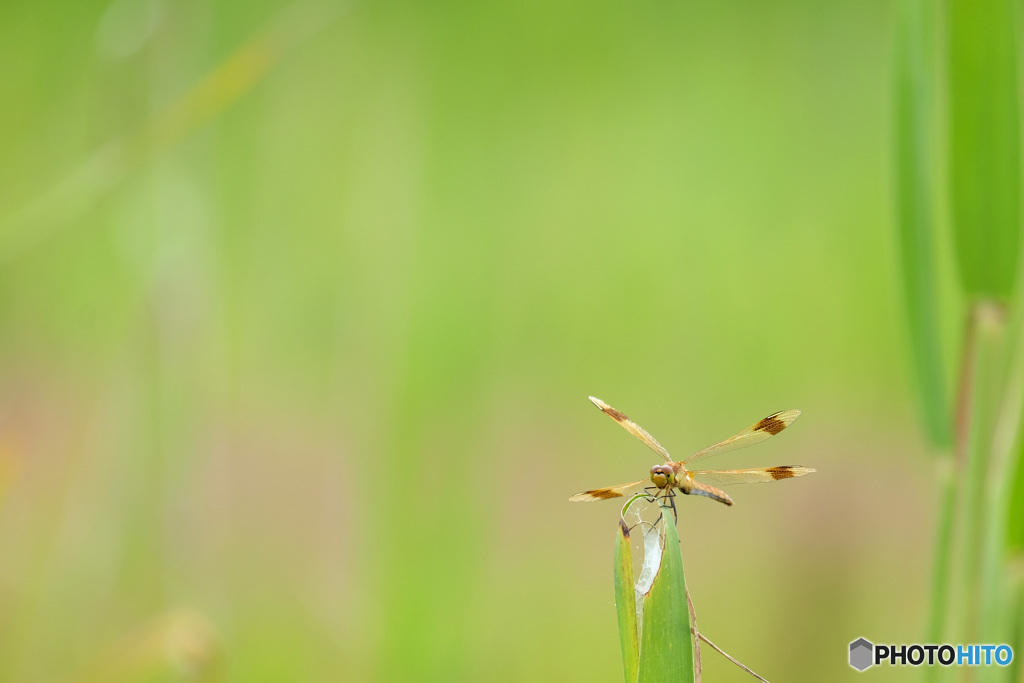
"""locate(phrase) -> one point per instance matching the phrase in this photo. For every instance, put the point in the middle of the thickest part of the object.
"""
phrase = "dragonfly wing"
(631, 427)
(765, 429)
(605, 494)
(751, 476)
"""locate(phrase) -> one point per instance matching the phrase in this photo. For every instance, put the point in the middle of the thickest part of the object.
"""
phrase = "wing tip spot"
(784, 472)
(776, 422)
(789, 471)
(596, 494)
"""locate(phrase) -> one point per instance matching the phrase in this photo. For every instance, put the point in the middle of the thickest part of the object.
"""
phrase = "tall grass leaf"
(666, 650)
(625, 603)
(915, 155)
(984, 143)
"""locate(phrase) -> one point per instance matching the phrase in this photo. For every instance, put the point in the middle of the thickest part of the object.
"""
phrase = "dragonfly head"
(662, 476)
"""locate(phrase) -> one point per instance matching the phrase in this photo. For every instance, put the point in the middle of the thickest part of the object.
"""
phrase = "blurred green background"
(300, 306)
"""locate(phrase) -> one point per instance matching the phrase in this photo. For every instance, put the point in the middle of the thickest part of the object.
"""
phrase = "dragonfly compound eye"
(659, 476)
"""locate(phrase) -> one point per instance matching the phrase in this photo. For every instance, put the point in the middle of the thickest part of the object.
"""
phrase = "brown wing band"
(781, 472)
(771, 424)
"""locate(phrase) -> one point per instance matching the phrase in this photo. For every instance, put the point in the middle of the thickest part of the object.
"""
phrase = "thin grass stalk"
(1015, 569)
(698, 666)
(949, 532)
(1015, 527)
(1009, 439)
(1002, 588)
(1015, 513)
(728, 656)
(1016, 601)
(996, 588)
(988, 384)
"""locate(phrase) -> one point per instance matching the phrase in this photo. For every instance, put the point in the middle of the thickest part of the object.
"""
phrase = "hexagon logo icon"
(861, 654)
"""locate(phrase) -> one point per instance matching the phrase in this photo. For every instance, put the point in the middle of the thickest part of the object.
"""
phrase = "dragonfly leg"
(658, 520)
(660, 496)
(661, 506)
(672, 503)
(641, 523)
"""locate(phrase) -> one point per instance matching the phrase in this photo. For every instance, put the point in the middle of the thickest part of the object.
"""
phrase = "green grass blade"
(984, 143)
(915, 156)
(666, 650)
(625, 603)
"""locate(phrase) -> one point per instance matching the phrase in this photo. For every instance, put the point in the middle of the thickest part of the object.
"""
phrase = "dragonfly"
(674, 475)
